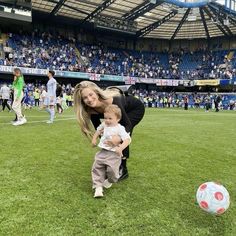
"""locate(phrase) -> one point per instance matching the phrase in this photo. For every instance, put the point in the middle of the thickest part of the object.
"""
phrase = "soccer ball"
(213, 198)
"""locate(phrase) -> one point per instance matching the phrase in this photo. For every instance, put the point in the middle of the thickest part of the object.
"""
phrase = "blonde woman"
(90, 102)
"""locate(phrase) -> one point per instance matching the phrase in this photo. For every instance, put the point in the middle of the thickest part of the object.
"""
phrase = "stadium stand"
(42, 50)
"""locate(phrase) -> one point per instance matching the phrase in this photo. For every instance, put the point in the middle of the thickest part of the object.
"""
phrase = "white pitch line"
(34, 116)
(41, 121)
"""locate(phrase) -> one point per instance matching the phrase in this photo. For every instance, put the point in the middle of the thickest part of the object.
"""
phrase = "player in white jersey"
(50, 99)
(5, 94)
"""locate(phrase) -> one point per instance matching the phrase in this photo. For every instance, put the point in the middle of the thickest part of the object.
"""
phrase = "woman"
(90, 102)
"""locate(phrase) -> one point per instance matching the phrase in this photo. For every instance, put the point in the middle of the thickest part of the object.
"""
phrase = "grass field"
(45, 186)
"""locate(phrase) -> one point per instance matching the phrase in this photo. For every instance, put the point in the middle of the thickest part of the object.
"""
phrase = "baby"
(105, 170)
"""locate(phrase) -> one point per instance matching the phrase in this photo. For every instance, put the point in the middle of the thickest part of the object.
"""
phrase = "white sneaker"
(107, 184)
(23, 120)
(98, 192)
(49, 122)
(20, 122)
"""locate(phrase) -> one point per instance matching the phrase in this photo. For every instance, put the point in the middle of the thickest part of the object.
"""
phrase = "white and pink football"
(213, 198)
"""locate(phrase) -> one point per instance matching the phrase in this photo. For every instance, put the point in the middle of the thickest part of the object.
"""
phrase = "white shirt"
(43, 95)
(5, 92)
(108, 132)
(51, 87)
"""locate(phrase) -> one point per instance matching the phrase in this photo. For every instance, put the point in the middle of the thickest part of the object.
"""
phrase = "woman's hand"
(115, 140)
(94, 142)
(119, 150)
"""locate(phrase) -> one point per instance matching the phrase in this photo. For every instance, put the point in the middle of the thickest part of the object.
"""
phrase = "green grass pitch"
(45, 186)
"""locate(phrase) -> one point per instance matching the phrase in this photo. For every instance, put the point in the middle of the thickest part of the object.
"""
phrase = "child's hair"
(113, 109)
(17, 70)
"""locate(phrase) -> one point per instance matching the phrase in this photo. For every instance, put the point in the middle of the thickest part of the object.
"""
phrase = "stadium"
(163, 71)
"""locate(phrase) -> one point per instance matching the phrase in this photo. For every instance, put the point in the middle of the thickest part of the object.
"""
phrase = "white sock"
(52, 114)
(48, 110)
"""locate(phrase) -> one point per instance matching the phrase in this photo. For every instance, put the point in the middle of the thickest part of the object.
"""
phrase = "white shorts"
(49, 102)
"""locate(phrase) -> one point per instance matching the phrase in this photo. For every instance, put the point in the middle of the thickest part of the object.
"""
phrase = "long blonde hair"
(82, 110)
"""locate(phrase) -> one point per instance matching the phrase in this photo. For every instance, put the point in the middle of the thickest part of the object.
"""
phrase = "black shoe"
(123, 174)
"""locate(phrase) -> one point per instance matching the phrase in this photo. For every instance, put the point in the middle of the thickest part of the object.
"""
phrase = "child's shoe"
(107, 184)
(98, 192)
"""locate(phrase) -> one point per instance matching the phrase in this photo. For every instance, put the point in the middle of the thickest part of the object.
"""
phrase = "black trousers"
(186, 106)
(5, 104)
(217, 106)
(208, 106)
(36, 102)
(135, 116)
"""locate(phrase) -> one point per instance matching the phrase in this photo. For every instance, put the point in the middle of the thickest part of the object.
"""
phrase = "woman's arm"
(122, 146)
(94, 139)
(97, 134)
(114, 141)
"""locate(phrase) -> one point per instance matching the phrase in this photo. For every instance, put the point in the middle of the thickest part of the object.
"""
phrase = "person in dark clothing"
(217, 101)
(90, 102)
(207, 102)
(36, 97)
(59, 96)
(186, 102)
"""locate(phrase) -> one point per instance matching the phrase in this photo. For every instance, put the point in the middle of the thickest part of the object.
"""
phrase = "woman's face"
(89, 97)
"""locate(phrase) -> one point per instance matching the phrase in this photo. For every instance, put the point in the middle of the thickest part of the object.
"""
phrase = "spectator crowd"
(44, 50)
(35, 93)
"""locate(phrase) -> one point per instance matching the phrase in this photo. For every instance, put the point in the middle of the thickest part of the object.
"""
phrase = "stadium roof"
(171, 19)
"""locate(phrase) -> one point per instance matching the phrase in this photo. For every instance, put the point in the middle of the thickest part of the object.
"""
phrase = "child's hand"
(119, 150)
(101, 132)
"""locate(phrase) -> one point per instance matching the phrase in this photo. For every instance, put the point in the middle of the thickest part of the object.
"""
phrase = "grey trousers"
(106, 166)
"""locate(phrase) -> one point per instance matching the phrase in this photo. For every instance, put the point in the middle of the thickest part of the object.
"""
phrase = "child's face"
(16, 73)
(110, 119)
